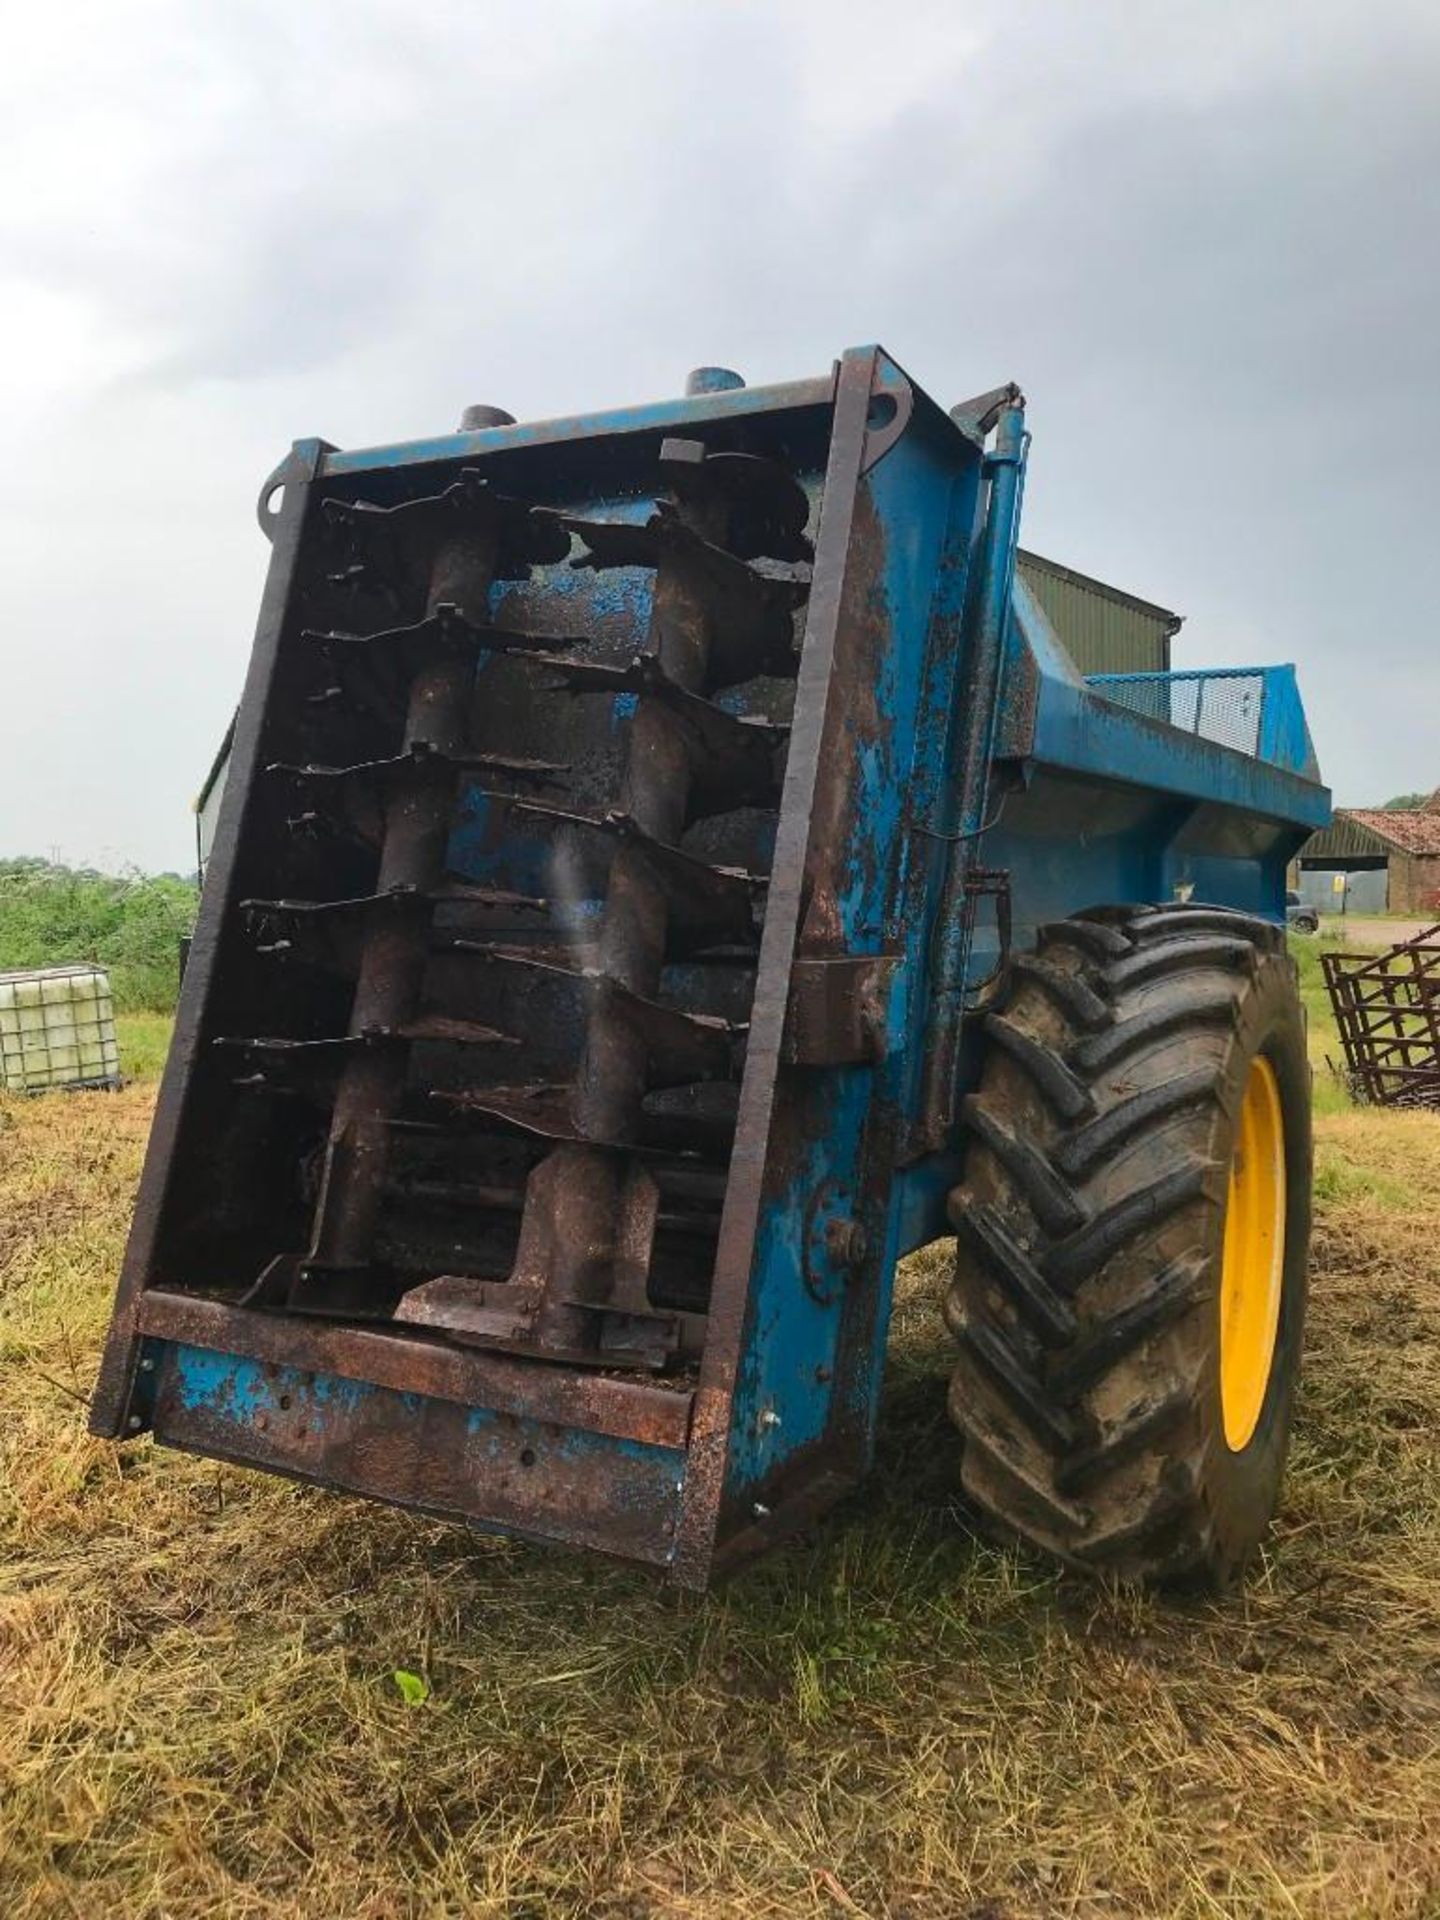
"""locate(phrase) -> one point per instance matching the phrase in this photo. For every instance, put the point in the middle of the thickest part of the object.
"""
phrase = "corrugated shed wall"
(1103, 629)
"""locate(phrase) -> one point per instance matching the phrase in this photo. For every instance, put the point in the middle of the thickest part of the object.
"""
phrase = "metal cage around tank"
(57, 1030)
(1254, 710)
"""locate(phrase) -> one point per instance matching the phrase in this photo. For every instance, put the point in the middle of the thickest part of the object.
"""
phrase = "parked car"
(1300, 916)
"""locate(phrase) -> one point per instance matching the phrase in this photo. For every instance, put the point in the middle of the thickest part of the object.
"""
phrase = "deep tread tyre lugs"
(1091, 1222)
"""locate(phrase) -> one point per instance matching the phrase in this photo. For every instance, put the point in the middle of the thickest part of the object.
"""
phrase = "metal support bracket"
(836, 1014)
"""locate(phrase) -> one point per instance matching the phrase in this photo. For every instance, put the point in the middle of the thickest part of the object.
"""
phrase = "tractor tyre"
(1133, 1232)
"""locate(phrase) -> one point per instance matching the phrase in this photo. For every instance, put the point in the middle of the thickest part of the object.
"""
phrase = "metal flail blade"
(677, 1123)
(766, 509)
(466, 893)
(734, 760)
(665, 537)
(490, 954)
(373, 669)
(333, 1047)
(420, 753)
(451, 1031)
(683, 1176)
(750, 606)
(707, 904)
(397, 900)
(679, 1046)
(492, 1313)
(542, 1109)
(445, 628)
(331, 933)
(426, 1026)
(307, 1069)
(354, 796)
(527, 536)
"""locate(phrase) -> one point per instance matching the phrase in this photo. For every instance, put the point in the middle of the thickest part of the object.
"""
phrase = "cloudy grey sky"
(1203, 236)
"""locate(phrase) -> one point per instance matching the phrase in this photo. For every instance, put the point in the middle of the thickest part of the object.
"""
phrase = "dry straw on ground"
(199, 1713)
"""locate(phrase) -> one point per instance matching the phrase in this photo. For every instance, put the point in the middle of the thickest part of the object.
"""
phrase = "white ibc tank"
(57, 1029)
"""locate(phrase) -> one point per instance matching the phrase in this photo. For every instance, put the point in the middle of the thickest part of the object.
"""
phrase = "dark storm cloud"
(1200, 235)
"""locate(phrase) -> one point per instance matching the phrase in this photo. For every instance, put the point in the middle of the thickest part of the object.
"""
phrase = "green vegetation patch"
(130, 923)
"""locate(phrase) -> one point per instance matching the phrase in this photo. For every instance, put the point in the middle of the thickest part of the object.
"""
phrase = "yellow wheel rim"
(1254, 1261)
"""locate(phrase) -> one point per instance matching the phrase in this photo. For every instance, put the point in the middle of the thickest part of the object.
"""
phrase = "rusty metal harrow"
(1388, 1011)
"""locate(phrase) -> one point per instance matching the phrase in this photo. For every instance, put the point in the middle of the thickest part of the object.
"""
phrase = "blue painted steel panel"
(606, 1490)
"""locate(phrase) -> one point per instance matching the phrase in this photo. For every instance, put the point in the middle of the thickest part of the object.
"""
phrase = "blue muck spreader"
(669, 870)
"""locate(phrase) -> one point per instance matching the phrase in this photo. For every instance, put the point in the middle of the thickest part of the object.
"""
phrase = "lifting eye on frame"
(272, 495)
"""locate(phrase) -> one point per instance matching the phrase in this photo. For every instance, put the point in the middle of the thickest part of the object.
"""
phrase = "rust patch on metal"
(515, 1472)
(836, 1015)
(633, 1410)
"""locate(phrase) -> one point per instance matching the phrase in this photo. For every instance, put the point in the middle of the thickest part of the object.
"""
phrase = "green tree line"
(130, 923)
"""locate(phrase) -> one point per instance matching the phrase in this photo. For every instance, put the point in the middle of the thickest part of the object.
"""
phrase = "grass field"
(200, 1712)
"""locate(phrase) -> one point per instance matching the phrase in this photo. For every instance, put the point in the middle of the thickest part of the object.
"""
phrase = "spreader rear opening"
(479, 1016)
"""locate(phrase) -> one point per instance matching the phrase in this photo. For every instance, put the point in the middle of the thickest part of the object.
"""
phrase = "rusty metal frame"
(731, 1305)
(1387, 1008)
(296, 475)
